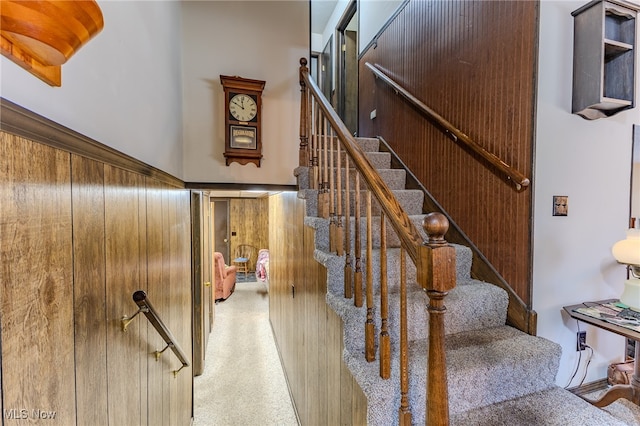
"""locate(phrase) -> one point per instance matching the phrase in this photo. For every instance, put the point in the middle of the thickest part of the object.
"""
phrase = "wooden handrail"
(512, 175)
(145, 306)
(405, 229)
(434, 260)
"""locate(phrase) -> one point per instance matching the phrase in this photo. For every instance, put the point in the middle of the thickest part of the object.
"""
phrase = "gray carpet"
(242, 383)
(497, 375)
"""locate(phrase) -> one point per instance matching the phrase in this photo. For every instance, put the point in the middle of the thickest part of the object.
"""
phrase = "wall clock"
(243, 103)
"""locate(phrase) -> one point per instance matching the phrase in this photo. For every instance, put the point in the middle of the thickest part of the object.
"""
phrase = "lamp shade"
(627, 251)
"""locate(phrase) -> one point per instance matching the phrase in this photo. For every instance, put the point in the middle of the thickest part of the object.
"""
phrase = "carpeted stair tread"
(496, 374)
(550, 407)
(502, 361)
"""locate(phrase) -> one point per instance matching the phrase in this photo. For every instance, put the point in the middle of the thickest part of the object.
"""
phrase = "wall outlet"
(581, 343)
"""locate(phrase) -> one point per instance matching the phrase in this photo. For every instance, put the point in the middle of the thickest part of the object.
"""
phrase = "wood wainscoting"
(307, 331)
(475, 64)
(77, 237)
(249, 224)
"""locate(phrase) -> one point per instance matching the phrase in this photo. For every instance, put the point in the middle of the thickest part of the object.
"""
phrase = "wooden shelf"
(604, 58)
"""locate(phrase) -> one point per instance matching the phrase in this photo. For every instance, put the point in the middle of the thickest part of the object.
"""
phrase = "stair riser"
(410, 200)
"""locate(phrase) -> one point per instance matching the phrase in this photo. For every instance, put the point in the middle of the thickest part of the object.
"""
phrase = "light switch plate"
(560, 205)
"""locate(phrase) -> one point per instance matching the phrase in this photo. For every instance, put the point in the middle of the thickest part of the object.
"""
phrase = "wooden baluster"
(437, 275)
(404, 411)
(339, 229)
(357, 282)
(323, 202)
(385, 343)
(332, 210)
(348, 267)
(303, 160)
(316, 148)
(369, 329)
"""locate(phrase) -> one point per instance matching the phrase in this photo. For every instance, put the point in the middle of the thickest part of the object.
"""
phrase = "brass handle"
(207, 284)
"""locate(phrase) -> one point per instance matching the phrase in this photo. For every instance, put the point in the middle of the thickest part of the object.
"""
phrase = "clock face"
(242, 107)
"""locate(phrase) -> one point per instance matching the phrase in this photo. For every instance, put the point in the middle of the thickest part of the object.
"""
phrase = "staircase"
(496, 374)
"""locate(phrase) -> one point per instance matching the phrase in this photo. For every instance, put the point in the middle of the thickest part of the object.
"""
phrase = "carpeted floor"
(242, 383)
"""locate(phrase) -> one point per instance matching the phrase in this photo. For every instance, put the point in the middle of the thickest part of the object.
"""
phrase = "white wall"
(122, 89)
(590, 162)
(262, 40)
(373, 15)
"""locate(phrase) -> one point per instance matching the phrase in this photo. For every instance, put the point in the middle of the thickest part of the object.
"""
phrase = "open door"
(201, 278)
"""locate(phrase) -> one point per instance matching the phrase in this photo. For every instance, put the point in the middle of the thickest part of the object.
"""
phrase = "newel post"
(304, 116)
(437, 275)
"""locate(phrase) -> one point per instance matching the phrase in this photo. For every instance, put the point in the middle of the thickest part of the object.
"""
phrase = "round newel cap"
(303, 62)
(436, 226)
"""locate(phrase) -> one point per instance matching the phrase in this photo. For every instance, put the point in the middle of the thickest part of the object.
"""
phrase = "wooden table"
(630, 391)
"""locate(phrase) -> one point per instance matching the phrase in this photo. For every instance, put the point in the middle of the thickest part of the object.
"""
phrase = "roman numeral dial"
(243, 107)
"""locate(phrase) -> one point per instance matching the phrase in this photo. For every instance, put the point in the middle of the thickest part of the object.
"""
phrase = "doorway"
(220, 226)
(347, 30)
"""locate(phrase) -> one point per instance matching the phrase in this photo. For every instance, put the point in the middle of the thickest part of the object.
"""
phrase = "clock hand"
(238, 104)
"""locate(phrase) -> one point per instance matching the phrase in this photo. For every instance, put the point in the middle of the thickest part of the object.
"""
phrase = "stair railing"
(520, 181)
(145, 307)
(321, 134)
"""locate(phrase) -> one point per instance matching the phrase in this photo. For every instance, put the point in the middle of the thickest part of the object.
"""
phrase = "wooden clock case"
(243, 143)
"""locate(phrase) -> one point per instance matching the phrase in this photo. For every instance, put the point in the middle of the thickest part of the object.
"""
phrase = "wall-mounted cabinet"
(604, 58)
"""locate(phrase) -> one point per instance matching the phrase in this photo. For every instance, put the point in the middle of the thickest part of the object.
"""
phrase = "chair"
(225, 277)
(242, 256)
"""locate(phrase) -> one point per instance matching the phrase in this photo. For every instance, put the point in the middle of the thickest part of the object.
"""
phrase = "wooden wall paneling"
(346, 390)
(155, 277)
(89, 291)
(165, 300)
(145, 359)
(334, 367)
(173, 315)
(36, 296)
(249, 219)
(125, 359)
(312, 331)
(286, 268)
(475, 64)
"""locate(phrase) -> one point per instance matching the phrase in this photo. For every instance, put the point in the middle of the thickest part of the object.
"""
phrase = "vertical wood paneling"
(89, 290)
(125, 358)
(156, 211)
(77, 238)
(249, 219)
(308, 333)
(36, 295)
(473, 62)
